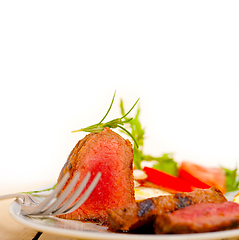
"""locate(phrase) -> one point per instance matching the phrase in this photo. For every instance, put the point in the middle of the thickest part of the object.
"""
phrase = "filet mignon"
(108, 153)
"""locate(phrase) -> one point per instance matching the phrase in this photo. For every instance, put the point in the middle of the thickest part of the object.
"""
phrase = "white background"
(61, 61)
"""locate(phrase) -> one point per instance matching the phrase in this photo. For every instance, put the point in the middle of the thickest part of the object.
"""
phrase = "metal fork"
(53, 205)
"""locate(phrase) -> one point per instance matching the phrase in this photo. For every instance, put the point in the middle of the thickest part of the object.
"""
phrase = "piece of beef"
(135, 215)
(198, 218)
(108, 153)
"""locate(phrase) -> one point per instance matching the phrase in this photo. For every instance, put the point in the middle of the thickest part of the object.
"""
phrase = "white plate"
(80, 230)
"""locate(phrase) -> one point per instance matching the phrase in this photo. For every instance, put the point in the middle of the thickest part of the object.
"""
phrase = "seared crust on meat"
(198, 218)
(137, 214)
(73, 156)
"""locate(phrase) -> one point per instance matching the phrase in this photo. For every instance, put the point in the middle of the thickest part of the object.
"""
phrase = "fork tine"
(63, 196)
(74, 196)
(84, 197)
(58, 188)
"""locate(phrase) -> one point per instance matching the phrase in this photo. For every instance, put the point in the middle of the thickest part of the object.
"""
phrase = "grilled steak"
(198, 218)
(135, 215)
(110, 154)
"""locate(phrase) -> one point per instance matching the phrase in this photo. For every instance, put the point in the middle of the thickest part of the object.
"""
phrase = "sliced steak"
(198, 218)
(135, 215)
(108, 153)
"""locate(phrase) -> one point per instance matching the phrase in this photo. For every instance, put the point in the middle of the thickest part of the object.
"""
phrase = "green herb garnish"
(39, 191)
(117, 122)
(232, 183)
(137, 132)
(165, 163)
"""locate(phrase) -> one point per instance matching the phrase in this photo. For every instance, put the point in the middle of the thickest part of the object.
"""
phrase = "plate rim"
(14, 211)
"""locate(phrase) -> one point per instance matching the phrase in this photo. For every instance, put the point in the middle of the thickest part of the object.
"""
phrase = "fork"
(54, 205)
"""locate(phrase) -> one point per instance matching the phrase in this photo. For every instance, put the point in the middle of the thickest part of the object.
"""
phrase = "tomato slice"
(203, 177)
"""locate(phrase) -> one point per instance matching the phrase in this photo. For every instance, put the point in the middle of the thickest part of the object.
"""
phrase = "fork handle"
(13, 195)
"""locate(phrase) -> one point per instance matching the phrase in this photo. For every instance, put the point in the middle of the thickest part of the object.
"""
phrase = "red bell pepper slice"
(168, 182)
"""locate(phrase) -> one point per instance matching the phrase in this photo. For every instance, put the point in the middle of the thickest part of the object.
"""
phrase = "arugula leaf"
(164, 163)
(136, 129)
(232, 183)
(137, 132)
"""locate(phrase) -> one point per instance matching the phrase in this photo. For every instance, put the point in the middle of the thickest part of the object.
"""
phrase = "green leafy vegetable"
(117, 122)
(164, 163)
(137, 132)
(232, 183)
(39, 191)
